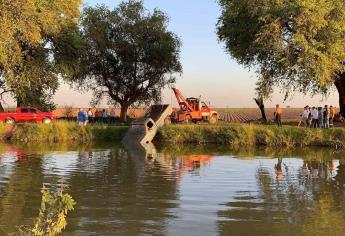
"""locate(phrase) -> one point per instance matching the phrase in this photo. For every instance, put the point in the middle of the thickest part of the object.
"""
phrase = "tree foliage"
(53, 212)
(130, 55)
(28, 31)
(298, 45)
(35, 80)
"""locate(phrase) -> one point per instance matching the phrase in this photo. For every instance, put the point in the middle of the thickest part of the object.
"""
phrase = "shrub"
(264, 137)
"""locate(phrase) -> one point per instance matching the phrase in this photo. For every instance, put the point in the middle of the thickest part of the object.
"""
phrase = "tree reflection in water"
(24, 184)
(135, 192)
(128, 191)
(309, 201)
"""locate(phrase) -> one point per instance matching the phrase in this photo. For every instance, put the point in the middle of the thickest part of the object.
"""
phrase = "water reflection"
(307, 199)
(202, 190)
(20, 185)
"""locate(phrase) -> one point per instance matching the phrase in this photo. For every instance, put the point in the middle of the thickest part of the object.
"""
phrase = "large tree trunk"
(1, 107)
(19, 102)
(260, 103)
(123, 114)
(340, 85)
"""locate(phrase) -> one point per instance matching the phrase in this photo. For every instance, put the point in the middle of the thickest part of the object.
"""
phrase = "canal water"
(188, 190)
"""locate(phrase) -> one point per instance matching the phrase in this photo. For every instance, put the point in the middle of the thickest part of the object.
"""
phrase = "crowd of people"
(95, 116)
(311, 117)
(317, 117)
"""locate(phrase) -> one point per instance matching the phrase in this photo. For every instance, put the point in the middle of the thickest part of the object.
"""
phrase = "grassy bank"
(252, 135)
(61, 132)
(242, 135)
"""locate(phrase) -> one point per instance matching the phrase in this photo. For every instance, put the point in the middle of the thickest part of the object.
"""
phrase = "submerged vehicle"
(192, 110)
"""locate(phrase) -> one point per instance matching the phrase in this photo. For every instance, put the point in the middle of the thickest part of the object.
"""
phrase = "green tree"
(130, 54)
(28, 33)
(297, 45)
(36, 80)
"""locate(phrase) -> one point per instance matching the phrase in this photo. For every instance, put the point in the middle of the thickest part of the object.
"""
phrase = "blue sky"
(207, 69)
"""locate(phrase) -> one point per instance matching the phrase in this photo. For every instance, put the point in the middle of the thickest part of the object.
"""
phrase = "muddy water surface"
(178, 191)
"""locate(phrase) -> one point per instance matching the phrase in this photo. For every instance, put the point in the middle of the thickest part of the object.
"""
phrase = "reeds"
(252, 135)
(242, 135)
(62, 131)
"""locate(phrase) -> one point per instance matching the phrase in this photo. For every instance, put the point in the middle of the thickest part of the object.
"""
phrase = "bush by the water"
(61, 131)
(250, 135)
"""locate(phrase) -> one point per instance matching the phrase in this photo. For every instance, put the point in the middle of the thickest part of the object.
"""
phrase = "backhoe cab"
(193, 110)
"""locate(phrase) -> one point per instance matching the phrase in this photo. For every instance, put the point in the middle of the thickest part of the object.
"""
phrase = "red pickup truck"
(26, 114)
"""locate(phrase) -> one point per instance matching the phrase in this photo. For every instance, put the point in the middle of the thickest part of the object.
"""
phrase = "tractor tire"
(213, 119)
(10, 121)
(46, 121)
(188, 120)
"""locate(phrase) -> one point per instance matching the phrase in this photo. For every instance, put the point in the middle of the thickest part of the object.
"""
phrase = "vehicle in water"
(192, 110)
(26, 114)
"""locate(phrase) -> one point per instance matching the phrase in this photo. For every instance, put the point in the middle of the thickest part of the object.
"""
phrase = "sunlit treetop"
(130, 54)
(31, 22)
(298, 45)
(32, 54)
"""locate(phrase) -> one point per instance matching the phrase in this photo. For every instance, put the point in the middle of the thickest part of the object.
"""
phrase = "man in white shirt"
(314, 117)
(305, 115)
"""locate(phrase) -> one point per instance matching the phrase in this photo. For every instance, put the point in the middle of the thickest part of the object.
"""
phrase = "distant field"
(236, 115)
(254, 114)
(239, 115)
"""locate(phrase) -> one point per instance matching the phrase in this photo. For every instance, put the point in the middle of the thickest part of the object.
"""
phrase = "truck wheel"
(10, 121)
(213, 119)
(46, 121)
(188, 119)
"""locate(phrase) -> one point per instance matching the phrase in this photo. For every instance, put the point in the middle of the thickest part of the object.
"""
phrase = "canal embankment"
(241, 135)
(61, 131)
(246, 135)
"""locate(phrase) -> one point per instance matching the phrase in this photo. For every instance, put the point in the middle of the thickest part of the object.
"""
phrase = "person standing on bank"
(86, 121)
(81, 117)
(314, 117)
(331, 116)
(305, 116)
(326, 117)
(278, 115)
(104, 116)
(309, 117)
(97, 116)
(112, 116)
(90, 115)
(320, 120)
